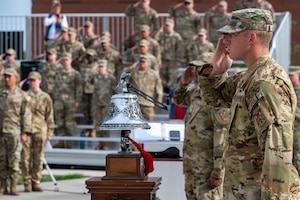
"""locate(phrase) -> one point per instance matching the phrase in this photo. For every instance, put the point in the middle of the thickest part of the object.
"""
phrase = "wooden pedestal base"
(123, 189)
(128, 166)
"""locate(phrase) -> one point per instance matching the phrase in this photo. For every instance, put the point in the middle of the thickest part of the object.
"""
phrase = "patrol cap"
(66, 56)
(188, 1)
(144, 28)
(249, 19)
(64, 29)
(34, 76)
(88, 24)
(202, 31)
(106, 34)
(10, 51)
(72, 30)
(293, 70)
(51, 51)
(104, 39)
(11, 72)
(102, 62)
(169, 21)
(91, 52)
(144, 58)
(203, 59)
(143, 43)
(222, 3)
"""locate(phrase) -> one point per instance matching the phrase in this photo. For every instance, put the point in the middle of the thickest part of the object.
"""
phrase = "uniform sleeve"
(155, 22)
(49, 117)
(220, 117)
(159, 89)
(172, 11)
(78, 82)
(182, 94)
(26, 115)
(130, 10)
(273, 115)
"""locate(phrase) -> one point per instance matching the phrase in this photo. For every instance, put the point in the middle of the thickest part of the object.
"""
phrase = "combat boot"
(27, 188)
(60, 144)
(13, 187)
(36, 187)
(3, 188)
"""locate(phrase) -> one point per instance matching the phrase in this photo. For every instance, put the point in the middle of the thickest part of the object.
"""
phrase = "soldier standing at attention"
(10, 56)
(187, 20)
(259, 146)
(148, 81)
(143, 14)
(204, 138)
(104, 87)
(294, 74)
(67, 96)
(15, 123)
(41, 131)
(89, 37)
(215, 18)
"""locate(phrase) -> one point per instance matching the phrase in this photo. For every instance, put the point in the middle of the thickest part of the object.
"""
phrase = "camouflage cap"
(222, 3)
(106, 33)
(203, 59)
(104, 39)
(293, 70)
(144, 58)
(88, 24)
(11, 72)
(202, 31)
(102, 62)
(144, 28)
(66, 56)
(143, 43)
(10, 51)
(249, 19)
(72, 30)
(51, 51)
(91, 52)
(169, 21)
(64, 29)
(34, 76)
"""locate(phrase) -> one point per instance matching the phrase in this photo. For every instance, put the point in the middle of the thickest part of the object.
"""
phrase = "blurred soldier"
(143, 14)
(58, 41)
(88, 66)
(10, 56)
(49, 70)
(215, 18)
(89, 37)
(2, 83)
(188, 21)
(108, 35)
(67, 96)
(104, 84)
(170, 42)
(197, 47)
(54, 21)
(143, 50)
(74, 47)
(15, 120)
(113, 57)
(148, 81)
(41, 131)
(259, 145)
(204, 138)
(294, 74)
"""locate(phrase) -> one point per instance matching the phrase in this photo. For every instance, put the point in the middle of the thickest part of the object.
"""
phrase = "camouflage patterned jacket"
(15, 114)
(49, 74)
(259, 146)
(187, 23)
(77, 50)
(42, 113)
(205, 130)
(148, 82)
(86, 70)
(142, 17)
(68, 85)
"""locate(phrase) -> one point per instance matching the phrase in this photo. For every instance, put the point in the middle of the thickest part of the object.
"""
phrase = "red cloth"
(148, 159)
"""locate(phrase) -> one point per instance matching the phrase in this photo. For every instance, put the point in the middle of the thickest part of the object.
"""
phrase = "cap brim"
(229, 29)
(197, 63)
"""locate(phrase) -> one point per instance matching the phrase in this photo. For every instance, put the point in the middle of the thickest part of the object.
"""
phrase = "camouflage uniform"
(68, 84)
(33, 148)
(104, 88)
(132, 58)
(259, 145)
(169, 45)
(15, 118)
(49, 71)
(148, 16)
(150, 83)
(296, 156)
(187, 23)
(215, 21)
(2, 83)
(15, 65)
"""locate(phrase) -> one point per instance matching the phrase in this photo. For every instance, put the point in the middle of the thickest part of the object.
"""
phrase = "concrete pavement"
(74, 189)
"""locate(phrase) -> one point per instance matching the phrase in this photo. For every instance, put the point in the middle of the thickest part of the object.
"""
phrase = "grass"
(47, 178)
